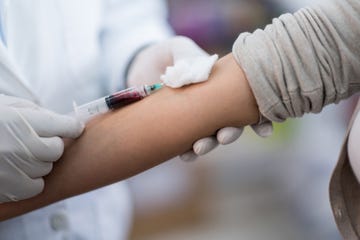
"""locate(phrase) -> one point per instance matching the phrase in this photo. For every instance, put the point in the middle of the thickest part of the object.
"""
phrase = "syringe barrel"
(125, 97)
(117, 100)
(89, 110)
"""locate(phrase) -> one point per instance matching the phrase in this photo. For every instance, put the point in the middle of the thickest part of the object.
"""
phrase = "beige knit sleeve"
(304, 61)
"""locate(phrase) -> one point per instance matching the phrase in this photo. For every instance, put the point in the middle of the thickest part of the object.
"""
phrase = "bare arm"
(145, 134)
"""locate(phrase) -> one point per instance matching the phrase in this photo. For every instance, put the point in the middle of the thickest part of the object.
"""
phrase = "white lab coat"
(57, 51)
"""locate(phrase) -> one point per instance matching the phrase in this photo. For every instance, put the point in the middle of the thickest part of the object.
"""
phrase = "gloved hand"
(29, 145)
(224, 136)
(150, 64)
(178, 56)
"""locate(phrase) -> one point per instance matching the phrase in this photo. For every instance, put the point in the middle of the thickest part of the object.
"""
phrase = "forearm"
(145, 134)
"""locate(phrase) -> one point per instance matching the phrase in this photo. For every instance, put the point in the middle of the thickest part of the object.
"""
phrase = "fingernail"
(204, 146)
(224, 139)
(201, 149)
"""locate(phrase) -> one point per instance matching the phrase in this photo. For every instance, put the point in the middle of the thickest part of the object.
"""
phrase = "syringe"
(114, 101)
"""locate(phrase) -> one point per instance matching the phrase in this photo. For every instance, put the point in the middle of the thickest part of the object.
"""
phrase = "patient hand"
(179, 61)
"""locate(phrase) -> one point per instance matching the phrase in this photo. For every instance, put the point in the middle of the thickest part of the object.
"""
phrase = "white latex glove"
(224, 136)
(183, 60)
(179, 61)
(29, 145)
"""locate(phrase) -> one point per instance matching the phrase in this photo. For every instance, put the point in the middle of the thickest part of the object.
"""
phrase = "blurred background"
(275, 188)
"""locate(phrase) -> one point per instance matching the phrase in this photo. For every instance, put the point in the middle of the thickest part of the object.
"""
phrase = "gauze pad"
(189, 70)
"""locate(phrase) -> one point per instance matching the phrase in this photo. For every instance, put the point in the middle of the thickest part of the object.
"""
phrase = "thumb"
(228, 135)
(49, 124)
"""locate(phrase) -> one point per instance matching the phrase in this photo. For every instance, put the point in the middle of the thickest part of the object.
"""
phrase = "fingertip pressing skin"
(228, 135)
(205, 145)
